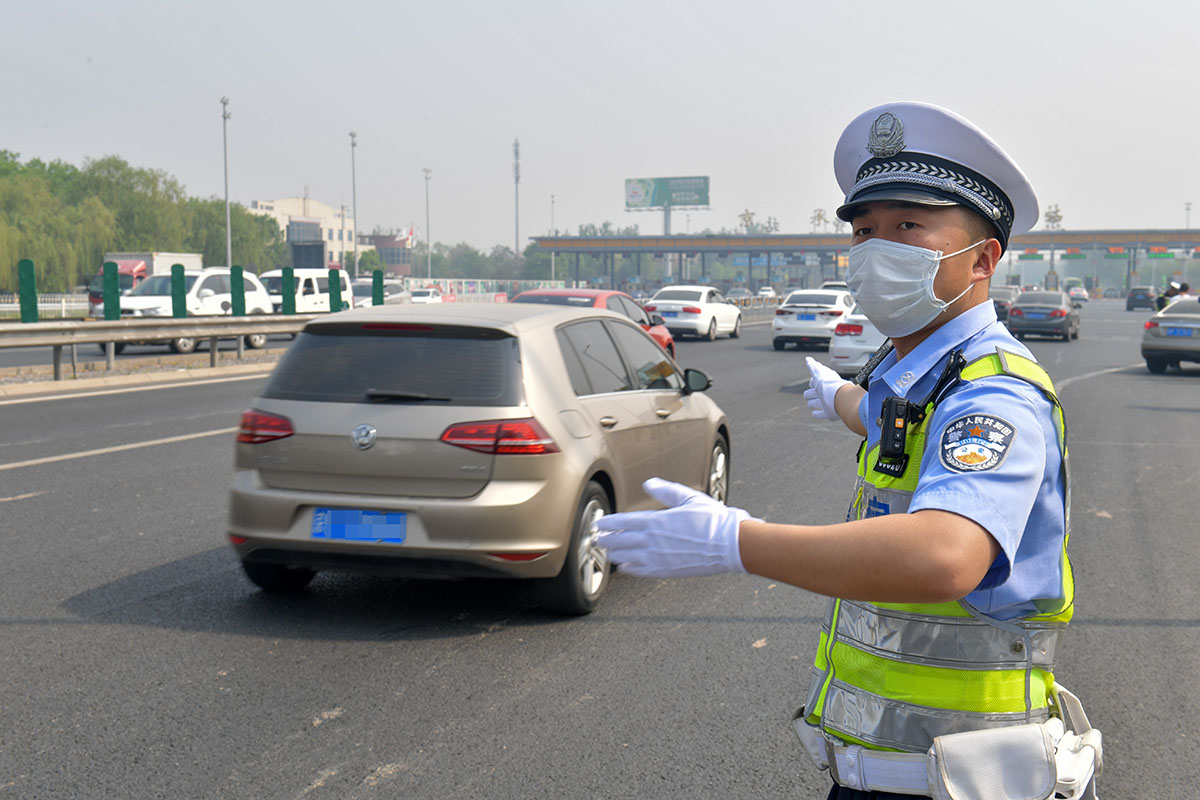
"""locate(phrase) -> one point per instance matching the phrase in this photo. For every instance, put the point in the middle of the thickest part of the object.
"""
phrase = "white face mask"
(893, 283)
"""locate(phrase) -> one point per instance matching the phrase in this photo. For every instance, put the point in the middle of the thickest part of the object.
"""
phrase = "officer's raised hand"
(822, 389)
(694, 535)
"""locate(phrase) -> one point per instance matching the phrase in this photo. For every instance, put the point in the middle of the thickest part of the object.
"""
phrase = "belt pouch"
(1013, 763)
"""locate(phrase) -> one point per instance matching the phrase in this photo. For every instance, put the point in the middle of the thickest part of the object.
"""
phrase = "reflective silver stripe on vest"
(953, 642)
(876, 502)
(881, 722)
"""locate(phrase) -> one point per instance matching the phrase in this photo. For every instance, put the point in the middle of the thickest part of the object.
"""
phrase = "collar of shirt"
(902, 375)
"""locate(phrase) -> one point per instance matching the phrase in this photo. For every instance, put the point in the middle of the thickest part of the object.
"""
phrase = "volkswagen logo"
(363, 436)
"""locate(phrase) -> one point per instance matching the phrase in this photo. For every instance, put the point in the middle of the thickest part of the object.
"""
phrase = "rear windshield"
(677, 294)
(339, 363)
(579, 300)
(124, 282)
(811, 299)
(1003, 292)
(1040, 299)
(1188, 305)
(422, 292)
(363, 289)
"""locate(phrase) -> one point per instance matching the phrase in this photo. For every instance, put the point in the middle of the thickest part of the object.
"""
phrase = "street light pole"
(517, 203)
(354, 198)
(428, 248)
(553, 232)
(225, 115)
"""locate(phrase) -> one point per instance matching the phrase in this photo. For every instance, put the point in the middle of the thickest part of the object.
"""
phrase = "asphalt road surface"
(138, 662)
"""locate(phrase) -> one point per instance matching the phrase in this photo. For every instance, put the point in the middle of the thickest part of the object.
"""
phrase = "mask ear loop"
(944, 304)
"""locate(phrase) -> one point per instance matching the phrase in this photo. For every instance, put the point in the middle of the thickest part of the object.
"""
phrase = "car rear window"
(811, 299)
(1040, 299)
(580, 300)
(339, 363)
(1188, 305)
(1003, 292)
(678, 294)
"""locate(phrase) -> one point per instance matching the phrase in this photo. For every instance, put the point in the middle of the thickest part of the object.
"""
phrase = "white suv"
(207, 292)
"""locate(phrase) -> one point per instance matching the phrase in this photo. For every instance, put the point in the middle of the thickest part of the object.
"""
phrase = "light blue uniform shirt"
(1019, 501)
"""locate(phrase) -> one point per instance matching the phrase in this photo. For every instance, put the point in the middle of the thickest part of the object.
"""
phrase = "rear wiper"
(384, 394)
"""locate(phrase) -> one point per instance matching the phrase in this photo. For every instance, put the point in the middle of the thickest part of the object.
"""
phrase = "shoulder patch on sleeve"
(976, 442)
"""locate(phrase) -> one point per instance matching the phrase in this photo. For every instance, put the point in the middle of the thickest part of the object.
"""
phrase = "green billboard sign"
(660, 192)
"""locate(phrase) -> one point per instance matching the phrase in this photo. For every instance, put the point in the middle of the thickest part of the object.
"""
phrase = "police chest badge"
(886, 137)
(975, 443)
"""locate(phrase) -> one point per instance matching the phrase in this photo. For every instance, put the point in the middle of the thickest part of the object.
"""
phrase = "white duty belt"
(1035, 761)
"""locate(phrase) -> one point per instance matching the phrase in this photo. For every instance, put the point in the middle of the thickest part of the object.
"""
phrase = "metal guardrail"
(67, 333)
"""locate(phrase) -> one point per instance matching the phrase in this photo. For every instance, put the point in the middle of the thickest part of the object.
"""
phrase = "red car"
(604, 298)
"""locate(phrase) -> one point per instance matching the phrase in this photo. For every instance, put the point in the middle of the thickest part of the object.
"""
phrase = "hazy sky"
(1097, 100)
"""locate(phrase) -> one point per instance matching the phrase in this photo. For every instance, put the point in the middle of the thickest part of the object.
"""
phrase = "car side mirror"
(204, 294)
(655, 319)
(695, 381)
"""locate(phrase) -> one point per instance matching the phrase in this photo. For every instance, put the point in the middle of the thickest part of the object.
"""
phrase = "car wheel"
(779, 344)
(577, 588)
(1156, 365)
(737, 328)
(1066, 337)
(256, 341)
(712, 330)
(718, 471)
(278, 578)
(118, 348)
(183, 345)
(1075, 334)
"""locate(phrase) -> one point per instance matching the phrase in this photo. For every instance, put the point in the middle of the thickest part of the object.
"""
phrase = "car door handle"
(608, 422)
(663, 413)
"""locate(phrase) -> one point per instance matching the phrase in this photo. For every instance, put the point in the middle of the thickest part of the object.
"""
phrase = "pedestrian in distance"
(950, 584)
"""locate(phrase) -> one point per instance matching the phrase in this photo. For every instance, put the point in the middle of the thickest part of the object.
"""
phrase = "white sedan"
(428, 295)
(695, 311)
(809, 317)
(855, 340)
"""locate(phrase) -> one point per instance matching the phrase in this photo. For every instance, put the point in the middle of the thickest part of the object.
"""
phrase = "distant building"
(395, 249)
(319, 234)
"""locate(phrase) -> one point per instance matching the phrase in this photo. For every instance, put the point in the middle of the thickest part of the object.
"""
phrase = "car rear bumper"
(444, 538)
(1186, 350)
(1042, 327)
(691, 325)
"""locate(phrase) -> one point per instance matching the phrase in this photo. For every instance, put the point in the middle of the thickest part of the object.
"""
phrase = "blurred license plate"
(1036, 316)
(807, 317)
(670, 314)
(1179, 331)
(356, 525)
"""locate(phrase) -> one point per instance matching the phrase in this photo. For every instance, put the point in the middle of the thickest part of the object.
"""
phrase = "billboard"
(659, 192)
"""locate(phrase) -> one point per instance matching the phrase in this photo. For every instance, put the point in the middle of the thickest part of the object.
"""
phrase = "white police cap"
(926, 154)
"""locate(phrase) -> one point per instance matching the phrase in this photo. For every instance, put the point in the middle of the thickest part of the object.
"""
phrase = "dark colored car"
(604, 298)
(1044, 314)
(1140, 297)
(1002, 299)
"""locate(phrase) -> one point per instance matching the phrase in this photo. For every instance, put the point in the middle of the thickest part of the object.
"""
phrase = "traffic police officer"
(950, 579)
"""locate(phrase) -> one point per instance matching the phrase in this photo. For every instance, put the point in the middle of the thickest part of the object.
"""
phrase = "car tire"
(737, 328)
(712, 330)
(779, 344)
(1156, 365)
(118, 348)
(183, 345)
(1075, 333)
(256, 341)
(277, 578)
(1066, 337)
(717, 486)
(577, 588)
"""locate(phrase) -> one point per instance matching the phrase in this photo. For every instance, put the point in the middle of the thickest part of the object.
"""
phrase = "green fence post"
(237, 288)
(27, 287)
(335, 291)
(112, 292)
(178, 292)
(377, 288)
(289, 290)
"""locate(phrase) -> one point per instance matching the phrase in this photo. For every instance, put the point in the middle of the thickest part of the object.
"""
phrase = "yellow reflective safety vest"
(892, 676)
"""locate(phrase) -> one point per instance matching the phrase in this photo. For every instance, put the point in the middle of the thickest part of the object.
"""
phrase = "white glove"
(822, 389)
(694, 535)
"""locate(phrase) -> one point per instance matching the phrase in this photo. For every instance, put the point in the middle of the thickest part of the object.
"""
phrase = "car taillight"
(650, 308)
(501, 437)
(834, 313)
(784, 312)
(1016, 312)
(258, 427)
(1150, 324)
(690, 310)
(1058, 312)
(848, 329)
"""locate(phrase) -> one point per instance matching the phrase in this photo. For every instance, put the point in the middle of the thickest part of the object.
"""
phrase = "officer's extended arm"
(928, 556)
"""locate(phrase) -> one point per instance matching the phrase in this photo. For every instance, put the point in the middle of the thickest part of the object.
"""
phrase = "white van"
(312, 289)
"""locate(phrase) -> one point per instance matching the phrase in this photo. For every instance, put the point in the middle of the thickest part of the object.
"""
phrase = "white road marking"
(20, 497)
(117, 449)
(1085, 376)
(147, 388)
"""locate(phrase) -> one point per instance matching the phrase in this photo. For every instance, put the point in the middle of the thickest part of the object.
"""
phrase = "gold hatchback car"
(457, 440)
